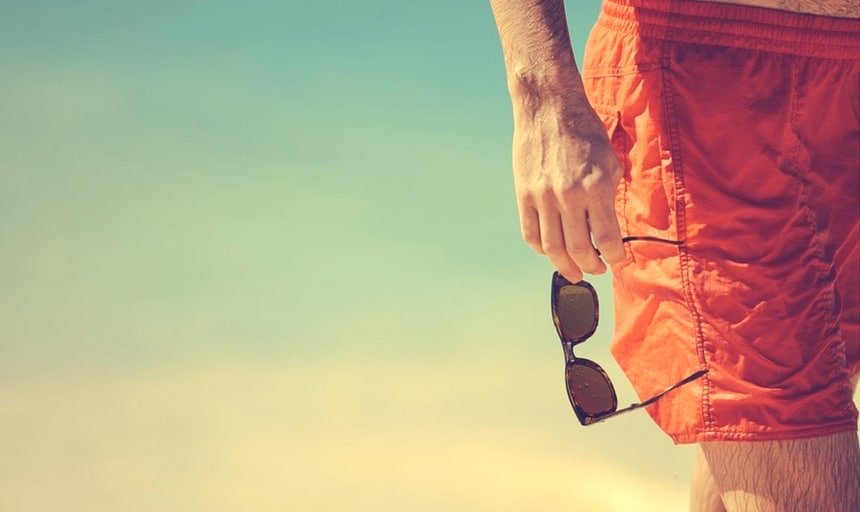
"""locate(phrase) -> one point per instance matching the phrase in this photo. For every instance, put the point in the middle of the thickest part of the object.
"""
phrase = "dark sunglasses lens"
(589, 389)
(575, 311)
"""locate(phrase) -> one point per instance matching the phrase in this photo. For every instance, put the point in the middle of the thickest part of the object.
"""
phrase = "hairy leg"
(799, 475)
(704, 495)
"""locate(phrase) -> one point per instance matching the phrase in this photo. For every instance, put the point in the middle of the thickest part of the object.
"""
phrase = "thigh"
(821, 473)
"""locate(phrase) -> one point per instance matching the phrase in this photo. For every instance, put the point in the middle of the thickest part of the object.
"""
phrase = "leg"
(704, 495)
(799, 475)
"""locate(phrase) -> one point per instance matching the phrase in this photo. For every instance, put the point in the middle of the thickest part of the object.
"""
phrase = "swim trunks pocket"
(622, 77)
(619, 138)
(644, 195)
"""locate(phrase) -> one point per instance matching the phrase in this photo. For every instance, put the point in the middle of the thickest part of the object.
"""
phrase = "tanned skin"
(565, 170)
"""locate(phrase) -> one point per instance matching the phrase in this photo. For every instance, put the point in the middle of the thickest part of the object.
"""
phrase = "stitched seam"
(681, 230)
(836, 342)
(761, 429)
(727, 435)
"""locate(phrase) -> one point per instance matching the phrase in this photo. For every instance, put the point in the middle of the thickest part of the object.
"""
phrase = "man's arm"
(565, 171)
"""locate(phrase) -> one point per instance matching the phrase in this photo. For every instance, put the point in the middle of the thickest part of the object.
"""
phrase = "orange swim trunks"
(739, 131)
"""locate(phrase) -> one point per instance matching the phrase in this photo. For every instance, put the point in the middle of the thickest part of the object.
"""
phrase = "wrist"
(556, 86)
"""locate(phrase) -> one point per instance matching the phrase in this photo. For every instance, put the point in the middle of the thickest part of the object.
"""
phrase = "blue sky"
(196, 156)
(265, 242)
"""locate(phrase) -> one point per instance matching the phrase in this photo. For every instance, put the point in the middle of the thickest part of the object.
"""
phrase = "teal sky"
(207, 169)
(261, 243)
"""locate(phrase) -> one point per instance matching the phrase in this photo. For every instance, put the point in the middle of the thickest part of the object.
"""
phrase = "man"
(732, 129)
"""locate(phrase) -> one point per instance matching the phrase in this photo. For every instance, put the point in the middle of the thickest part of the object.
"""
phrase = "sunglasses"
(575, 314)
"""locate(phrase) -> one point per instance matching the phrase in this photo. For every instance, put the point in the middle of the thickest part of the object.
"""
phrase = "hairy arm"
(565, 171)
(536, 45)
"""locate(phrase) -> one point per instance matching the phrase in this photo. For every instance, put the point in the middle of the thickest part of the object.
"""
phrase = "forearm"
(565, 169)
(535, 41)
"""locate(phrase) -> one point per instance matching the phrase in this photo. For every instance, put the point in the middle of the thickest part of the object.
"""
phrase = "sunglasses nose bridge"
(569, 357)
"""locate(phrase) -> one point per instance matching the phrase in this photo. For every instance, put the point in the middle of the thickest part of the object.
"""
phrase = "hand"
(565, 176)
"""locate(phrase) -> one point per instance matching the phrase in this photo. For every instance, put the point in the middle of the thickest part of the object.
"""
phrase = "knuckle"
(544, 192)
(569, 193)
(526, 199)
(597, 183)
(553, 248)
(607, 240)
(578, 249)
(571, 197)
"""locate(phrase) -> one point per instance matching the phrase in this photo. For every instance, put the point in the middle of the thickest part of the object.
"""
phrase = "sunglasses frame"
(558, 282)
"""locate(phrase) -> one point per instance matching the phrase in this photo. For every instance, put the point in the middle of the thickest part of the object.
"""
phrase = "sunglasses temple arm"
(649, 239)
(633, 407)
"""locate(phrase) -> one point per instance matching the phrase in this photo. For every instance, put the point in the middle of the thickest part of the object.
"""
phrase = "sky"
(265, 256)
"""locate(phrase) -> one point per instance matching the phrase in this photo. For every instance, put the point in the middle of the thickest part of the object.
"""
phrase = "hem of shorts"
(703, 436)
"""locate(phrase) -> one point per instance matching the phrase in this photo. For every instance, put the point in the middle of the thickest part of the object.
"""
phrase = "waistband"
(733, 25)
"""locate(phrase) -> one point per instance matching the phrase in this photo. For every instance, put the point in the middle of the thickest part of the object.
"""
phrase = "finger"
(530, 227)
(578, 242)
(606, 231)
(552, 240)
